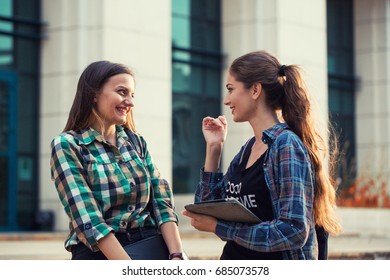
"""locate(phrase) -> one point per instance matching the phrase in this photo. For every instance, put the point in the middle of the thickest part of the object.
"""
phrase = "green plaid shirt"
(106, 189)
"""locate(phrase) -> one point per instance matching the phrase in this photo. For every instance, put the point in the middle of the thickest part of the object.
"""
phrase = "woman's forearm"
(112, 249)
(213, 157)
(171, 236)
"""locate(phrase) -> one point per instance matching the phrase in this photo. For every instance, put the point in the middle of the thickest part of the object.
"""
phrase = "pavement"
(197, 245)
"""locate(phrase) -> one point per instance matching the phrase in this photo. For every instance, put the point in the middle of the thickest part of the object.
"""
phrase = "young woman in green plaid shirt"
(105, 178)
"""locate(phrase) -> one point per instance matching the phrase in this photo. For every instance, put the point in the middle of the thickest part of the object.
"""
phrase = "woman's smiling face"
(239, 100)
(115, 99)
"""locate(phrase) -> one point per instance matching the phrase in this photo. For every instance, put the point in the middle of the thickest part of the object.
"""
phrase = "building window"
(196, 84)
(341, 82)
(20, 36)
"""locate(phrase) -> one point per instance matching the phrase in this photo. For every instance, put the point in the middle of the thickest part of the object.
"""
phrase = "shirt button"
(130, 208)
(123, 223)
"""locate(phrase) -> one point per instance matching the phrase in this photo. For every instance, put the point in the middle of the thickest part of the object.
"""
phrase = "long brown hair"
(285, 90)
(83, 113)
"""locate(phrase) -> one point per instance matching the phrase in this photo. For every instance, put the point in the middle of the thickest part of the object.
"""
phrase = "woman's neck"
(263, 122)
(108, 133)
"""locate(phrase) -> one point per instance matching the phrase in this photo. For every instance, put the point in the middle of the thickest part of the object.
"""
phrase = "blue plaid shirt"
(106, 189)
(289, 175)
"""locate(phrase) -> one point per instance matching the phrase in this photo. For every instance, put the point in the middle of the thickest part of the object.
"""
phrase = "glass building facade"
(196, 84)
(341, 83)
(20, 37)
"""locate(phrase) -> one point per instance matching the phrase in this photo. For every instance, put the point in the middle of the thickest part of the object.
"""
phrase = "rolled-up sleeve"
(212, 185)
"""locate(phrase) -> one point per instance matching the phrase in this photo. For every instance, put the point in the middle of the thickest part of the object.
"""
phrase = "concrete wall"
(365, 221)
(372, 50)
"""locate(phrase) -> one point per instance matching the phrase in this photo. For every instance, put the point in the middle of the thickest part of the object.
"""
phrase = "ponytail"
(297, 113)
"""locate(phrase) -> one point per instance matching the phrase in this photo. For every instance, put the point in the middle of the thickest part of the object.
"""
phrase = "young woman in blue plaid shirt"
(105, 178)
(280, 174)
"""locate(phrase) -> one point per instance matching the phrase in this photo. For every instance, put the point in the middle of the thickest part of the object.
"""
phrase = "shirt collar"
(270, 134)
(88, 135)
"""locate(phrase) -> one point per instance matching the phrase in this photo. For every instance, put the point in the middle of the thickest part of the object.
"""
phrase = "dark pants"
(82, 252)
(322, 238)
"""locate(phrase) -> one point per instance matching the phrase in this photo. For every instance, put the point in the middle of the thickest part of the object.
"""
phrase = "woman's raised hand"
(214, 130)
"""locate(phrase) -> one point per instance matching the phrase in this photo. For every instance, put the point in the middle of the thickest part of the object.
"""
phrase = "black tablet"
(229, 209)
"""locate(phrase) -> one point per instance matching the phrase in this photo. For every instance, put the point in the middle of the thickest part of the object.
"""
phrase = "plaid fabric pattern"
(289, 176)
(106, 189)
